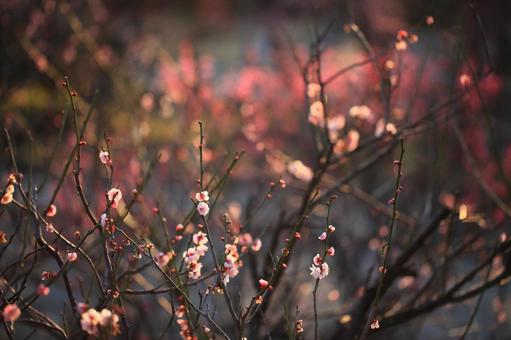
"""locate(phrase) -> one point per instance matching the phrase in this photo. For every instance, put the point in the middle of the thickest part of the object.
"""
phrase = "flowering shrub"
(255, 172)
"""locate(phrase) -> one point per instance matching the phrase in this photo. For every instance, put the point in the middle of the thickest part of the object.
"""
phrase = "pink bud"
(43, 290)
(263, 284)
(52, 211)
(72, 256)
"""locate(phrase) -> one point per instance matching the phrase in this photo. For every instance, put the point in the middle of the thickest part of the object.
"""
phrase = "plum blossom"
(162, 259)
(43, 290)
(110, 321)
(72, 256)
(104, 157)
(263, 284)
(256, 246)
(6, 198)
(331, 251)
(375, 324)
(200, 238)
(231, 264)
(202, 196)
(114, 196)
(90, 320)
(194, 270)
(103, 219)
(317, 113)
(230, 269)
(362, 112)
(82, 307)
(245, 239)
(313, 89)
(322, 237)
(9, 192)
(11, 312)
(203, 208)
(465, 80)
(317, 260)
(320, 272)
(193, 254)
(52, 211)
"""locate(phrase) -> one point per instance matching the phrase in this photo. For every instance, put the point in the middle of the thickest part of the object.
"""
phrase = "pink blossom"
(104, 157)
(90, 321)
(103, 220)
(256, 246)
(179, 227)
(114, 196)
(201, 249)
(331, 251)
(181, 311)
(320, 272)
(245, 239)
(110, 321)
(317, 260)
(203, 208)
(202, 196)
(7, 198)
(322, 237)
(82, 307)
(11, 312)
(191, 255)
(263, 284)
(375, 324)
(465, 80)
(331, 228)
(194, 270)
(43, 290)
(313, 89)
(200, 238)
(162, 259)
(72, 256)
(52, 211)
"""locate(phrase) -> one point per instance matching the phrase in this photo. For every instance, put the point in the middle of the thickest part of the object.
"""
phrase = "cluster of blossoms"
(232, 261)
(337, 122)
(9, 190)
(92, 321)
(320, 269)
(202, 206)
(193, 254)
(185, 330)
(246, 241)
(317, 113)
(403, 38)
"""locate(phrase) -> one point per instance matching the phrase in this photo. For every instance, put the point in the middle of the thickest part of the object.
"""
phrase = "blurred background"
(152, 69)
